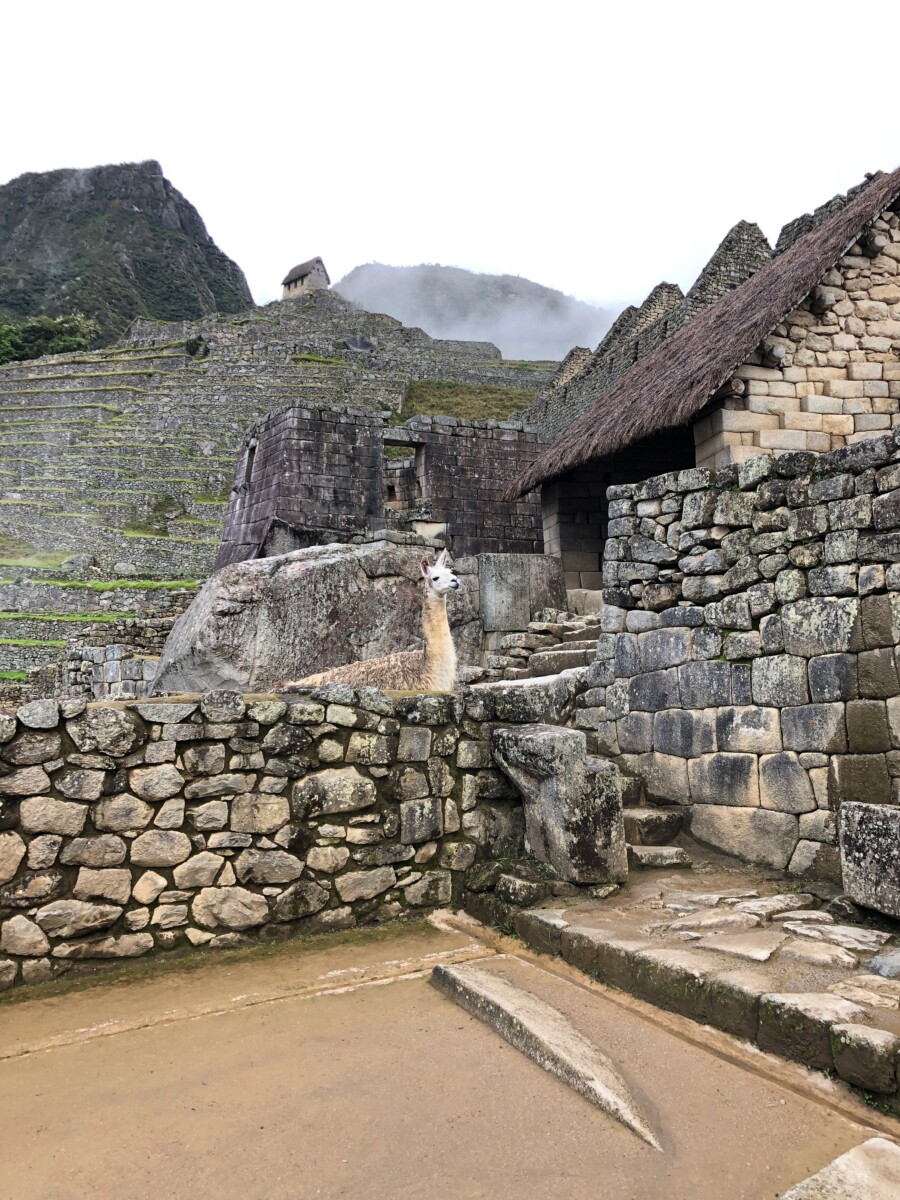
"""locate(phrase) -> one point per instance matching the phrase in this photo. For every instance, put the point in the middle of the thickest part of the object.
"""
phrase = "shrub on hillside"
(46, 335)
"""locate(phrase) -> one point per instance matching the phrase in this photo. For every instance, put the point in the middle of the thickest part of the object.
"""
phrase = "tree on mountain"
(46, 335)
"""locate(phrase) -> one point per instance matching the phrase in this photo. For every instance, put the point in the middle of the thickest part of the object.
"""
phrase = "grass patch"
(15, 553)
(103, 618)
(31, 642)
(110, 585)
(15, 676)
(317, 358)
(468, 401)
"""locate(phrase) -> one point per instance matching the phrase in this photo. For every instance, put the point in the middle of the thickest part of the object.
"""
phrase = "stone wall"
(748, 666)
(132, 828)
(127, 453)
(829, 374)
(308, 476)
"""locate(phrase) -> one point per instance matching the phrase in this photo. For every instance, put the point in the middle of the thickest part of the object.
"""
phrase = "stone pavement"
(331, 1069)
(805, 979)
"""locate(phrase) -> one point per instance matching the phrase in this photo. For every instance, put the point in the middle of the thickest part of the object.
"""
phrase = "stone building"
(305, 277)
(769, 352)
(311, 475)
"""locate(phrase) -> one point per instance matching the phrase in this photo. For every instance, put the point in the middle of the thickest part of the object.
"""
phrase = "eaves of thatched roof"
(675, 381)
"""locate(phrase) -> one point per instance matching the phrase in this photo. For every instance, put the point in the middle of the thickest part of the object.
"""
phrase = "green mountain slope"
(525, 319)
(113, 242)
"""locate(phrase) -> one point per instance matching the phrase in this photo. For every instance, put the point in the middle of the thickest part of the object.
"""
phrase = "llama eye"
(434, 578)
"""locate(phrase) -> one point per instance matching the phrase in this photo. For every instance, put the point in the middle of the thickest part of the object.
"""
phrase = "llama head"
(439, 578)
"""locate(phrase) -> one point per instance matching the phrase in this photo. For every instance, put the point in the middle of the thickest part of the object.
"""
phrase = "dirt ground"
(334, 1069)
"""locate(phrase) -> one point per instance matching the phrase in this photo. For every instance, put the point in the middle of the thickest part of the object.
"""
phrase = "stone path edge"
(687, 988)
(544, 1035)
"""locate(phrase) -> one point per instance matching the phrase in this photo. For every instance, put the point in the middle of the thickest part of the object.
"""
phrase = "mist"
(525, 320)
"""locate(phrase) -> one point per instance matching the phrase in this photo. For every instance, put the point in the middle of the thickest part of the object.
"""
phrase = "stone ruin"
(738, 680)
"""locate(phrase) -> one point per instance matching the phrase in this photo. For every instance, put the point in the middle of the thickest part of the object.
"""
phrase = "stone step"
(575, 644)
(551, 662)
(584, 633)
(651, 826)
(729, 958)
(867, 1172)
(658, 857)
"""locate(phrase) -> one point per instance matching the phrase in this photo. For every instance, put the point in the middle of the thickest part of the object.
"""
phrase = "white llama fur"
(430, 670)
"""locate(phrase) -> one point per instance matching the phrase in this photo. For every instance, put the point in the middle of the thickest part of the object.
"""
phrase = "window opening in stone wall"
(397, 463)
(251, 456)
(421, 474)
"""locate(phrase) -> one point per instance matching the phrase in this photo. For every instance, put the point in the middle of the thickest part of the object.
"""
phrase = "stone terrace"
(128, 453)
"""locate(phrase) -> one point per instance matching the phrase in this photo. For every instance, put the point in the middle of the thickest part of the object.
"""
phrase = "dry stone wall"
(748, 666)
(127, 829)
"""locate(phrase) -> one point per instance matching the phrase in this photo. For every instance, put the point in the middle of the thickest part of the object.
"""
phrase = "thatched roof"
(670, 385)
(302, 270)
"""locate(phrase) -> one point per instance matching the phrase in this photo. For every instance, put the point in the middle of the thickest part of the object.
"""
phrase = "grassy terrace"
(31, 642)
(59, 408)
(14, 676)
(101, 618)
(111, 585)
(468, 401)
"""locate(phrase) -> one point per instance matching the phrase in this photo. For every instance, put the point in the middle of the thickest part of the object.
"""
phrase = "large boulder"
(573, 802)
(255, 623)
(870, 855)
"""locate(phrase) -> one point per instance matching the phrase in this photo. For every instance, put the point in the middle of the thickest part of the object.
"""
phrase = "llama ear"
(441, 559)
(426, 567)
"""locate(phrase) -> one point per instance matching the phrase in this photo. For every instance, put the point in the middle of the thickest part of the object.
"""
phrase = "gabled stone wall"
(749, 665)
(829, 374)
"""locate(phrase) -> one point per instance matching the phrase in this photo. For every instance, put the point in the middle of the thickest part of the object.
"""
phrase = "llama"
(430, 670)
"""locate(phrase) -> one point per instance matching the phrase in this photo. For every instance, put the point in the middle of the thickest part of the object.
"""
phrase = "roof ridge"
(675, 380)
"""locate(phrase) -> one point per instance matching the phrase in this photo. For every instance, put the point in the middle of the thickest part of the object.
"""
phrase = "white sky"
(589, 148)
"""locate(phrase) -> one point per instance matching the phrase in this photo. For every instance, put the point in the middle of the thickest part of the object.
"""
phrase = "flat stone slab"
(867, 1172)
(869, 989)
(647, 857)
(546, 1036)
(818, 954)
(733, 895)
(805, 914)
(770, 906)
(850, 937)
(716, 918)
(759, 945)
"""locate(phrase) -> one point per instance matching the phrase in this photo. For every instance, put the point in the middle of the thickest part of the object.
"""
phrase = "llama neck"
(440, 652)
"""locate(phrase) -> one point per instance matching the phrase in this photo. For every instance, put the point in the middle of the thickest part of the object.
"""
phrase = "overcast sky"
(591, 149)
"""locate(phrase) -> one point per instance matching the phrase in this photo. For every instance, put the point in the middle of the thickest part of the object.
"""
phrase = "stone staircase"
(558, 641)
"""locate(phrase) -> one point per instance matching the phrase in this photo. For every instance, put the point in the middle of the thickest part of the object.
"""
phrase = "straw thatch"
(676, 380)
(302, 270)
